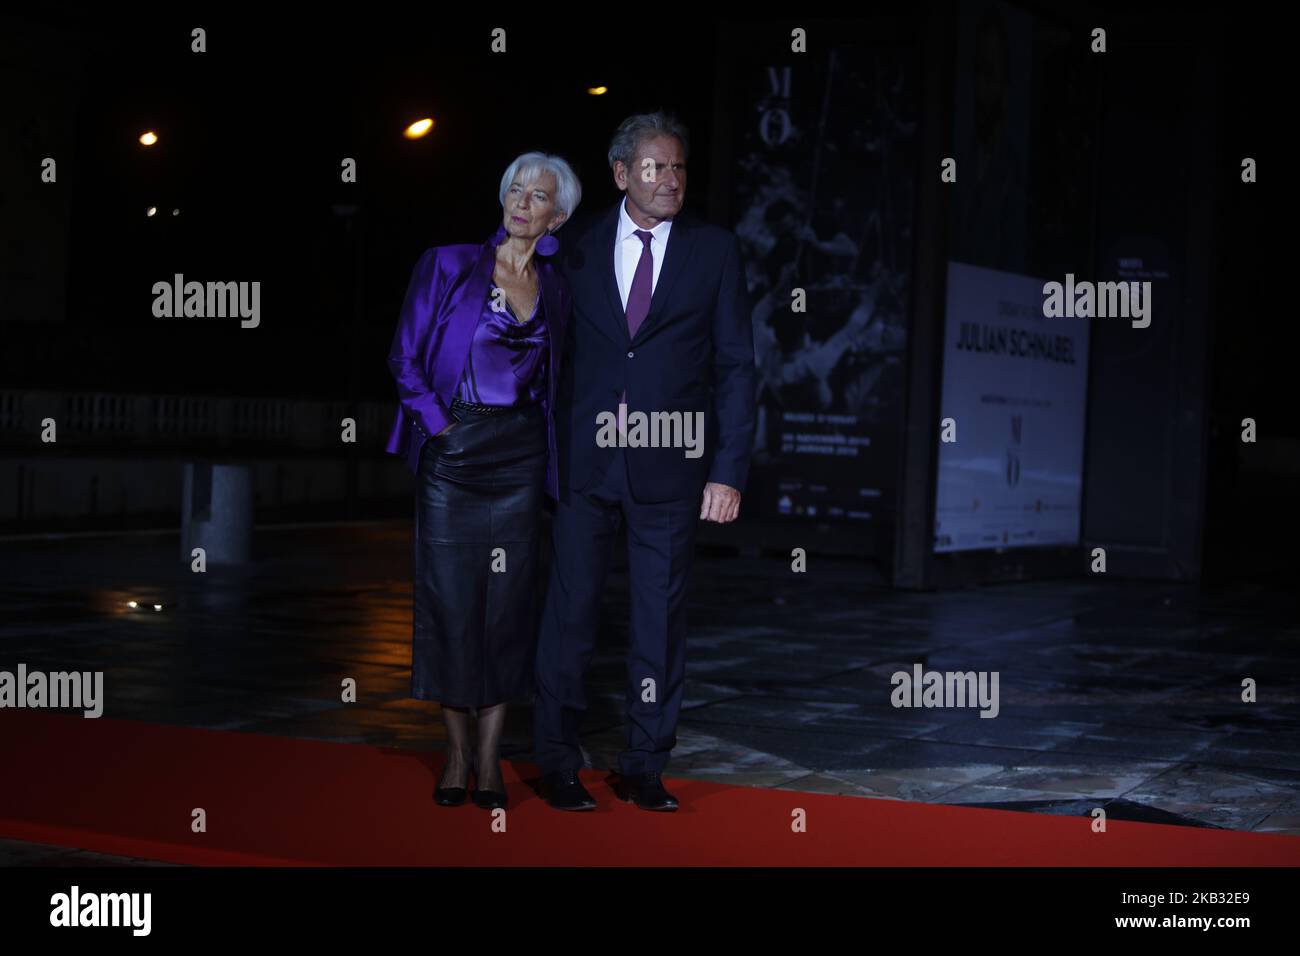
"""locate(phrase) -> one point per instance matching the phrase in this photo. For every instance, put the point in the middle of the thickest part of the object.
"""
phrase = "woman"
(475, 358)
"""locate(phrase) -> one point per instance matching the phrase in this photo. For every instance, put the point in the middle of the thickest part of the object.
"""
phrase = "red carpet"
(128, 788)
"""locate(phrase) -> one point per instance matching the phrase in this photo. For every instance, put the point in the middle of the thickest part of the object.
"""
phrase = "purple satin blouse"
(507, 358)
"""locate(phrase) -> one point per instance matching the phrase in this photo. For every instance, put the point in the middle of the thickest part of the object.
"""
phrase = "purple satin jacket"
(435, 331)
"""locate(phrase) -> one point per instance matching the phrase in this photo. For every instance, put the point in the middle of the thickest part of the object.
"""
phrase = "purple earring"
(548, 245)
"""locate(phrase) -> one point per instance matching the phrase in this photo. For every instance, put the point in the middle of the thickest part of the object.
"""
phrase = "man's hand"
(721, 503)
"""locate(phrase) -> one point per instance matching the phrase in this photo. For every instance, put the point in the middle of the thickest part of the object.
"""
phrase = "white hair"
(568, 191)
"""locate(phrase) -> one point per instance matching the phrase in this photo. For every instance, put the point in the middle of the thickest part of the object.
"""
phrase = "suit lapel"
(453, 352)
(680, 239)
(554, 325)
(604, 259)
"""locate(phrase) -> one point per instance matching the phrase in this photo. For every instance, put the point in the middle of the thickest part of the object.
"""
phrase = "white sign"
(1015, 387)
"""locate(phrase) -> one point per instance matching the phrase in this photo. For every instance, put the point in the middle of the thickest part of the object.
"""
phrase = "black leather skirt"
(478, 505)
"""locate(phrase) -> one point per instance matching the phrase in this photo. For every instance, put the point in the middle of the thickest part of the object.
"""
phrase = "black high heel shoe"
(488, 799)
(449, 796)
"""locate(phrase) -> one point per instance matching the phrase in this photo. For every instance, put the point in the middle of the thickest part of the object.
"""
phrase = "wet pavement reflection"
(1120, 695)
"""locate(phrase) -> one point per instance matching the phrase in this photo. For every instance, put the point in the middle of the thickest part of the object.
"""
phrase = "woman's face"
(530, 210)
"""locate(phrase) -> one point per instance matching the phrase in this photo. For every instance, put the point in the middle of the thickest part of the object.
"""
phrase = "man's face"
(656, 181)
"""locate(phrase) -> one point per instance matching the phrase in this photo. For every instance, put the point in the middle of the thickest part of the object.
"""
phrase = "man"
(661, 331)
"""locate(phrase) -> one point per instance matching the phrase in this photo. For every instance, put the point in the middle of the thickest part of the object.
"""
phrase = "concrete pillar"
(217, 512)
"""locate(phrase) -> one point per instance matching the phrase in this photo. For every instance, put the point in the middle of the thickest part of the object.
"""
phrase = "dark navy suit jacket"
(693, 352)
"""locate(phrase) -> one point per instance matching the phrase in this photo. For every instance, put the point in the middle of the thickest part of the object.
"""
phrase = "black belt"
(458, 403)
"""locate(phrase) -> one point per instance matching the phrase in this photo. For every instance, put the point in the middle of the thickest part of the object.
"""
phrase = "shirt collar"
(626, 226)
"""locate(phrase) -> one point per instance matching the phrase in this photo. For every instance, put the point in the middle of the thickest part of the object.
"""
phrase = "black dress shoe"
(448, 796)
(647, 790)
(488, 799)
(564, 791)
(452, 796)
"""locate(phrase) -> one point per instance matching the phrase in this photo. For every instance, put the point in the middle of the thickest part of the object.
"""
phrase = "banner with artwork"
(824, 197)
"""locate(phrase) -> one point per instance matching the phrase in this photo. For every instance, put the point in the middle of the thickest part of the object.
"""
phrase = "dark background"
(252, 133)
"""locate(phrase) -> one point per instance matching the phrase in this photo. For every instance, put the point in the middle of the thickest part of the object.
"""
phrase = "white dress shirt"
(627, 251)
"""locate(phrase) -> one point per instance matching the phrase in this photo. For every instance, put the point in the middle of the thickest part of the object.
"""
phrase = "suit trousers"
(660, 551)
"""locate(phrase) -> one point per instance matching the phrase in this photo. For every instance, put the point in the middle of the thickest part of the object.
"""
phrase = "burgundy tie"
(638, 307)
